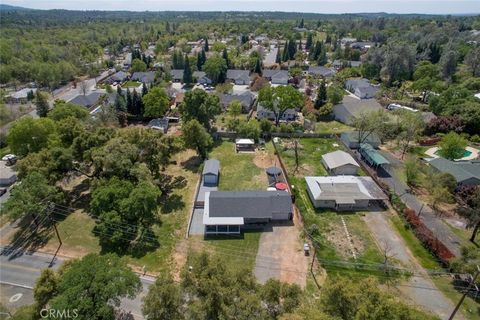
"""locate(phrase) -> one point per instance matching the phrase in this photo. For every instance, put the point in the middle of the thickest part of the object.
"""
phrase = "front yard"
(78, 239)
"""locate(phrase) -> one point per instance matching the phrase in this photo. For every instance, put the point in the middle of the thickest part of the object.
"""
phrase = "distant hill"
(7, 7)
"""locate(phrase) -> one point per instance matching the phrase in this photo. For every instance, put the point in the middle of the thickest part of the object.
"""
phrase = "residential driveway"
(280, 255)
(431, 220)
(419, 288)
(196, 226)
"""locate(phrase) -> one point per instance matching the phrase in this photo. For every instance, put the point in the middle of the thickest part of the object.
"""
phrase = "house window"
(234, 229)
(222, 229)
(211, 229)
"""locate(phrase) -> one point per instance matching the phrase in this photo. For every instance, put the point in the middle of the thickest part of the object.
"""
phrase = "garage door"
(210, 179)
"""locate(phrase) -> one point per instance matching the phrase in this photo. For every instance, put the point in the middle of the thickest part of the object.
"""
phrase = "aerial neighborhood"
(239, 165)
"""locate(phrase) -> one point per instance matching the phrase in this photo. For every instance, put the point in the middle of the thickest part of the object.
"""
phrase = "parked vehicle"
(3, 191)
(306, 249)
(11, 159)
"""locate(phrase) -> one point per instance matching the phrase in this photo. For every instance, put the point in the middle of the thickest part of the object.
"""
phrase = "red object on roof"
(281, 186)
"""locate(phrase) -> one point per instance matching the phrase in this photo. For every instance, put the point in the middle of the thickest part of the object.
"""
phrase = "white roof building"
(344, 192)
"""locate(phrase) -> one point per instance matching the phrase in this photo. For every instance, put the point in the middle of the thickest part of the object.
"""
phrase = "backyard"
(326, 226)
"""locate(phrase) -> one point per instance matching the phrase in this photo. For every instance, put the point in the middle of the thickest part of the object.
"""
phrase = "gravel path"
(419, 288)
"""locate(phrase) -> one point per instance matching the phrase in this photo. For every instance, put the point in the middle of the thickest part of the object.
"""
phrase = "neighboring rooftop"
(352, 107)
(372, 156)
(463, 171)
(144, 77)
(338, 158)
(344, 189)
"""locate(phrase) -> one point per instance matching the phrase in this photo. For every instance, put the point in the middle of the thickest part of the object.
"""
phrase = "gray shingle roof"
(243, 75)
(119, 76)
(320, 71)
(246, 98)
(211, 166)
(351, 107)
(249, 204)
(177, 74)
(461, 170)
(144, 77)
(92, 99)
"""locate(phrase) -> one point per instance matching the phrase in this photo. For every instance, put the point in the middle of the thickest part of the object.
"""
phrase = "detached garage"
(340, 163)
(210, 172)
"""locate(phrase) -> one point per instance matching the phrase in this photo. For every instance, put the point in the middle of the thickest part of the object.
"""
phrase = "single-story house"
(226, 212)
(372, 156)
(211, 171)
(246, 99)
(340, 163)
(159, 124)
(319, 71)
(344, 192)
(352, 139)
(93, 99)
(263, 113)
(244, 145)
(7, 175)
(239, 77)
(144, 77)
(177, 75)
(464, 172)
(201, 77)
(276, 76)
(362, 88)
(351, 107)
(20, 95)
(340, 64)
(119, 76)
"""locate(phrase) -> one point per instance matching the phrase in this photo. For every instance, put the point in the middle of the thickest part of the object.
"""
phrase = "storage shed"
(210, 172)
(340, 163)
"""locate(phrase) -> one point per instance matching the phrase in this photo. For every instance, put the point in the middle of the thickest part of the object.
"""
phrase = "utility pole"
(472, 283)
(420, 211)
(51, 206)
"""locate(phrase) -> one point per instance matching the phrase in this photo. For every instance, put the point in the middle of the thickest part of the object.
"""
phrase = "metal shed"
(210, 172)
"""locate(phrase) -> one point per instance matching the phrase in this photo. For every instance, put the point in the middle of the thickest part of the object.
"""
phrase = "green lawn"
(310, 155)
(237, 170)
(222, 120)
(470, 309)
(425, 258)
(78, 240)
(331, 127)
(131, 84)
(237, 251)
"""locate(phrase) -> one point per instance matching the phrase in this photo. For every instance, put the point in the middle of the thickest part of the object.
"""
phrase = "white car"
(9, 158)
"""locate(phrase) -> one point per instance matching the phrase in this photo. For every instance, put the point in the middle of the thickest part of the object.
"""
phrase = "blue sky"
(320, 6)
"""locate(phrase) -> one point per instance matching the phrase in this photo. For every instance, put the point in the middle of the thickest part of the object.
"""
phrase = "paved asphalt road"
(18, 273)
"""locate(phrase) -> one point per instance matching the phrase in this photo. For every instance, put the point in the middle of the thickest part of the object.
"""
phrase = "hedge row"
(427, 237)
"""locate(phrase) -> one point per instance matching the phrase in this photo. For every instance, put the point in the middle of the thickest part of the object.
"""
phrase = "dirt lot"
(280, 255)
